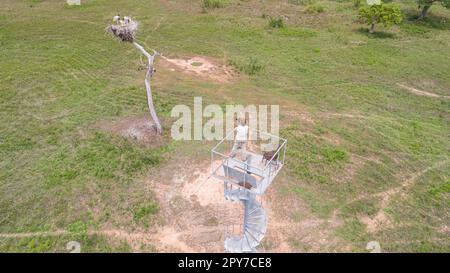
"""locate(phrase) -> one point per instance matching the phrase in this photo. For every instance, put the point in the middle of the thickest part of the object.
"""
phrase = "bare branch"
(125, 29)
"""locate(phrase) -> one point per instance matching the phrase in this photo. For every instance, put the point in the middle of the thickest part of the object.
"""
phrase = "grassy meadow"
(360, 143)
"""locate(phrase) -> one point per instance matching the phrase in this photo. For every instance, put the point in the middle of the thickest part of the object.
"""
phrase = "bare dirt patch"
(199, 66)
(205, 189)
(375, 223)
(194, 209)
(169, 239)
(139, 129)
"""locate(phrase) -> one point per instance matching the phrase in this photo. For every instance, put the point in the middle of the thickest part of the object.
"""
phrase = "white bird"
(127, 19)
(116, 18)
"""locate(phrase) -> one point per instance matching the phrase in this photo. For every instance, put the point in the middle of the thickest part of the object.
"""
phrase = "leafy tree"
(426, 5)
(378, 12)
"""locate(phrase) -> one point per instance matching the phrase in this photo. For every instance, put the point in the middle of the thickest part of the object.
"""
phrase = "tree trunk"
(424, 12)
(372, 28)
(148, 87)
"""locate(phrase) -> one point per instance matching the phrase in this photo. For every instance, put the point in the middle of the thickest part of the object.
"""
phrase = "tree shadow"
(431, 21)
(376, 34)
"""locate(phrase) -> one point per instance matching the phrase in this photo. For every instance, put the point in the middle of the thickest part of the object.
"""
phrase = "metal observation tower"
(245, 180)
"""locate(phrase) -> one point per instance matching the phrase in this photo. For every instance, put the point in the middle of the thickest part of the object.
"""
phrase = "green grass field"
(361, 145)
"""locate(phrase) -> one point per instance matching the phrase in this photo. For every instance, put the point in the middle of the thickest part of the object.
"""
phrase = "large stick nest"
(125, 30)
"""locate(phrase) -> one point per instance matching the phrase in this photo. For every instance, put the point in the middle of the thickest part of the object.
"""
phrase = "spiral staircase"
(255, 221)
(246, 182)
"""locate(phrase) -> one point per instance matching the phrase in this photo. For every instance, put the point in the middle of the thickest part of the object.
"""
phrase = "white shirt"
(241, 133)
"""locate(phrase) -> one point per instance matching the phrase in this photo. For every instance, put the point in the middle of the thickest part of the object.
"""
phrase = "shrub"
(314, 9)
(212, 4)
(426, 5)
(148, 209)
(78, 227)
(388, 15)
(35, 245)
(78, 230)
(251, 67)
(276, 22)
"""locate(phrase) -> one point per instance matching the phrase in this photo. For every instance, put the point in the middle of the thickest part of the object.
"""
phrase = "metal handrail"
(284, 141)
(278, 150)
(237, 160)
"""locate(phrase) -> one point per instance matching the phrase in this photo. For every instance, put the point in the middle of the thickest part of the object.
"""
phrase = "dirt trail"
(33, 234)
(418, 92)
(381, 219)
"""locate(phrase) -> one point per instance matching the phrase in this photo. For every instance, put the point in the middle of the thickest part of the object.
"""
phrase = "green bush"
(388, 15)
(34, 245)
(425, 5)
(77, 227)
(251, 67)
(148, 209)
(212, 4)
(276, 22)
(314, 9)
(78, 230)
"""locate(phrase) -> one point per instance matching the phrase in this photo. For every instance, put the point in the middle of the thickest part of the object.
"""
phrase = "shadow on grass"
(376, 34)
(431, 21)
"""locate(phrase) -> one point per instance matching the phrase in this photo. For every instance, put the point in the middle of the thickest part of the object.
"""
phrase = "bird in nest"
(122, 22)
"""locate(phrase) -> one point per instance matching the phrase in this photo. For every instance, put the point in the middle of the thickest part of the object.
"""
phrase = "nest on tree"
(124, 31)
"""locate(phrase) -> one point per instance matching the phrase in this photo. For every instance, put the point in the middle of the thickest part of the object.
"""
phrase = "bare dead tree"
(125, 29)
